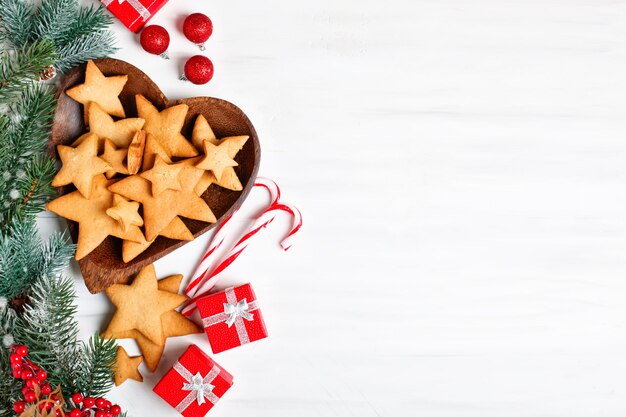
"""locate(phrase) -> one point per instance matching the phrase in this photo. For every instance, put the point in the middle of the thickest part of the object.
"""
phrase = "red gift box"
(194, 384)
(232, 318)
(134, 14)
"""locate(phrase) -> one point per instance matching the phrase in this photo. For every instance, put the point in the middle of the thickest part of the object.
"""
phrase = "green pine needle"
(19, 68)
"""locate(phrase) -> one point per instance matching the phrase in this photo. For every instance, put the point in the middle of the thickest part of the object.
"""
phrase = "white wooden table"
(461, 168)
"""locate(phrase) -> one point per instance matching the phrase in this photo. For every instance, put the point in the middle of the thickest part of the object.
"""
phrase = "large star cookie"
(176, 230)
(166, 126)
(141, 304)
(163, 176)
(80, 165)
(160, 210)
(121, 132)
(99, 89)
(94, 225)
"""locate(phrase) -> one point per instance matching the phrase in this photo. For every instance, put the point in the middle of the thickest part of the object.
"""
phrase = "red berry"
(58, 412)
(19, 406)
(77, 398)
(21, 350)
(198, 29)
(155, 40)
(100, 402)
(100, 413)
(116, 409)
(46, 389)
(17, 373)
(42, 375)
(198, 69)
(30, 396)
(26, 374)
(45, 406)
(75, 413)
(15, 358)
(30, 383)
(89, 402)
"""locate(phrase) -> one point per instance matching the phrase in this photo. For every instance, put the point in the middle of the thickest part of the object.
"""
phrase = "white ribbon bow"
(202, 389)
(240, 309)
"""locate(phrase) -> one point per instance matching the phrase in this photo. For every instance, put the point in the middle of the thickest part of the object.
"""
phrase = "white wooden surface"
(460, 166)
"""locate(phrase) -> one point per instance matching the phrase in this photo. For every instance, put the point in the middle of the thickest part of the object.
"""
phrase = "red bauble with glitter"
(198, 70)
(198, 29)
(155, 40)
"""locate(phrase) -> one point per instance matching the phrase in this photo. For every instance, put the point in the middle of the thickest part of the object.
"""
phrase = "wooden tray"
(104, 266)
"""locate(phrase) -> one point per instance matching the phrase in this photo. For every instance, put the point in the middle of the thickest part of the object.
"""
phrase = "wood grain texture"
(104, 266)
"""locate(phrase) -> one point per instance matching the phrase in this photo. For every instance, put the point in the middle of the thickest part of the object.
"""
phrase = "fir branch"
(97, 368)
(19, 69)
(17, 22)
(88, 20)
(25, 258)
(54, 17)
(83, 48)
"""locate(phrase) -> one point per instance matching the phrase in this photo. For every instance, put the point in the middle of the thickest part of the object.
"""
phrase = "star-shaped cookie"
(216, 158)
(94, 225)
(100, 89)
(174, 325)
(202, 131)
(166, 126)
(121, 132)
(141, 304)
(80, 165)
(125, 212)
(163, 176)
(160, 210)
(115, 157)
(151, 151)
(126, 367)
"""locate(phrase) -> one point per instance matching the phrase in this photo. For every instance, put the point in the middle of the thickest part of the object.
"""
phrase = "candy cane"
(204, 279)
(222, 232)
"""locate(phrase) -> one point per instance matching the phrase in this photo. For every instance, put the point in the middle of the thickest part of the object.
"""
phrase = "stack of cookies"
(136, 177)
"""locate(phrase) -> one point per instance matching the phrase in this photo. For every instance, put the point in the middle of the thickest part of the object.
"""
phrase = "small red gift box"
(194, 384)
(134, 14)
(232, 318)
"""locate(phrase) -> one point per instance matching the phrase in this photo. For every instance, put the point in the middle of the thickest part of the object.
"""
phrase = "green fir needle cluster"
(37, 304)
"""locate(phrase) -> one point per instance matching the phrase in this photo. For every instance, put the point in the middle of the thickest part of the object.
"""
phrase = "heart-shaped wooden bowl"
(104, 266)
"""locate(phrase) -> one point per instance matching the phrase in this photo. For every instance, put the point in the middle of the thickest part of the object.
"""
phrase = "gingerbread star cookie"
(216, 158)
(141, 304)
(174, 325)
(126, 367)
(94, 225)
(115, 157)
(176, 230)
(121, 132)
(202, 132)
(151, 151)
(80, 165)
(135, 152)
(166, 126)
(163, 176)
(160, 210)
(125, 212)
(99, 89)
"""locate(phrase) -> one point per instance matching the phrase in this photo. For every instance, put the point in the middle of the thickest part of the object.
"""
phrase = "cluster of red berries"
(198, 28)
(97, 407)
(36, 388)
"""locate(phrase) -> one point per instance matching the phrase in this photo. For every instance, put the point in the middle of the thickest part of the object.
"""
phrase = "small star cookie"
(126, 367)
(80, 165)
(114, 157)
(141, 304)
(125, 212)
(151, 151)
(163, 176)
(99, 89)
(166, 126)
(216, 158)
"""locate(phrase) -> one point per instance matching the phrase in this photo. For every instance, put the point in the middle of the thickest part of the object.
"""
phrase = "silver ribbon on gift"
(235, 311)
(200, 387)
(136, 4)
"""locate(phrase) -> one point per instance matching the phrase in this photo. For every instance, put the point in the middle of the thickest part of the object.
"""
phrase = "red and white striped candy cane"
(205, 278)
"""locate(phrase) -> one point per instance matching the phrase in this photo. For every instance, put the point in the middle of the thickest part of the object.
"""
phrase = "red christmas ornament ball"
(154, 39)
(198, 69)
(198, 28)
